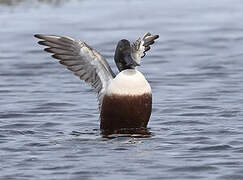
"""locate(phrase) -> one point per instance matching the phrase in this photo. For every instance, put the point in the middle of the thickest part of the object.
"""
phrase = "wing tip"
(43, 43)
(146, 34)
(55, 56)
(156, 36)
(39, 36)
(62, 62)
(49, 50)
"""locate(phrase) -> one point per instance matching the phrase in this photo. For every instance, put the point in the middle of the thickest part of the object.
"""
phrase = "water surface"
(49, 127)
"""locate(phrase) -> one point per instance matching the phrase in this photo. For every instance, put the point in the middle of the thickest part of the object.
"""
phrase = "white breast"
(129, 82)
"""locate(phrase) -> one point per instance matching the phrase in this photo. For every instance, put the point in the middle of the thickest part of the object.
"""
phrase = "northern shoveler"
(125, 99)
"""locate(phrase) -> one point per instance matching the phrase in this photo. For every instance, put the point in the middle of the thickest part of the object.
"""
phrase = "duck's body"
(125, 100)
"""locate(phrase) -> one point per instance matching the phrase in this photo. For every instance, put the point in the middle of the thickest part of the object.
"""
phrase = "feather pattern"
(81, 59)
(142, 45)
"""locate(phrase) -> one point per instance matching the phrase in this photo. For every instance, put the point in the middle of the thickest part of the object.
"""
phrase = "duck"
(125, 99)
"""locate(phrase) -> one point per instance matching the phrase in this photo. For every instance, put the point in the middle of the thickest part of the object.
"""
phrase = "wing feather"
(81, 59)
(142, 45)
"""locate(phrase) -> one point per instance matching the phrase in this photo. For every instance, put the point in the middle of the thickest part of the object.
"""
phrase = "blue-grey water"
(49, 120)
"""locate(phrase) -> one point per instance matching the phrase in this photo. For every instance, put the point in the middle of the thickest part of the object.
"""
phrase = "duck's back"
(127, 102)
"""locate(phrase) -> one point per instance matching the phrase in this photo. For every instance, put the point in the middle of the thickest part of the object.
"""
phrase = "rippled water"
(49, 127)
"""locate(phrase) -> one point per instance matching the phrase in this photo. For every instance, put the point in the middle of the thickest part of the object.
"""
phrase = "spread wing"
(142, 45)
(81, 59)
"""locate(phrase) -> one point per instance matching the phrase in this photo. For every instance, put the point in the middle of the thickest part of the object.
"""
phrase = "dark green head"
(123, 57)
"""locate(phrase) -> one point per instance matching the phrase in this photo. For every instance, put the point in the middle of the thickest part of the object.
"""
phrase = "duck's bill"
(130, 62)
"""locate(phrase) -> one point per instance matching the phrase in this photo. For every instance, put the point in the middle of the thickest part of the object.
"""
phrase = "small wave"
(212, 148)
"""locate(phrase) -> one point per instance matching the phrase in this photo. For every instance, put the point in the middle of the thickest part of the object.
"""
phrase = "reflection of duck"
(125, 100)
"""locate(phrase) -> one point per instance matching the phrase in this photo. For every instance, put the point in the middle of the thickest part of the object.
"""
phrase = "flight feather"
(81, 59)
